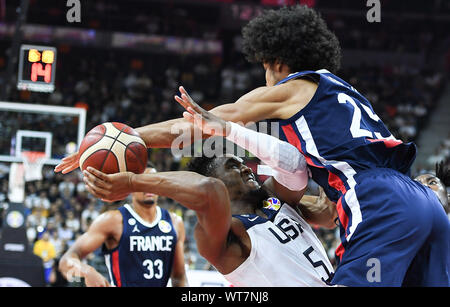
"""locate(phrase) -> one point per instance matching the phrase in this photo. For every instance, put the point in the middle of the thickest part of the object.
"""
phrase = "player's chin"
(149, 201)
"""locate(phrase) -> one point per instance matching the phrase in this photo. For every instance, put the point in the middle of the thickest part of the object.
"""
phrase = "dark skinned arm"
(207, 196)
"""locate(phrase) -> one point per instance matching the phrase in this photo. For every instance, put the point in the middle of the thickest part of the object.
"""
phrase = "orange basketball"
(112, 148)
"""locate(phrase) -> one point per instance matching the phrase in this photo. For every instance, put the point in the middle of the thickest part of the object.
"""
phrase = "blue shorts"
(394, 232)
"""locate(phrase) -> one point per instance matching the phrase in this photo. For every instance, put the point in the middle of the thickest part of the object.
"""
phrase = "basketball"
(113, 147)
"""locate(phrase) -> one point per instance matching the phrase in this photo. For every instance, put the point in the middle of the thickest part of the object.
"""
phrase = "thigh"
(393, 225)
(431, 265)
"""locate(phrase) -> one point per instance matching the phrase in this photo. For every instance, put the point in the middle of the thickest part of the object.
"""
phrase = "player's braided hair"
(296, 36)
(443, 173)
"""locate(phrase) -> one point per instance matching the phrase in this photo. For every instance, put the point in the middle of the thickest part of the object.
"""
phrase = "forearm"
(179, 132)
(163, 134)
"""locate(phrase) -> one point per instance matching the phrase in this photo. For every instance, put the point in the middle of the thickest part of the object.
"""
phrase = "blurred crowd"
(137, 88)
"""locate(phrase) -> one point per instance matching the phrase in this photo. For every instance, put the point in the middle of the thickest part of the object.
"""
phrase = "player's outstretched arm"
(259, 104)
(207, 196)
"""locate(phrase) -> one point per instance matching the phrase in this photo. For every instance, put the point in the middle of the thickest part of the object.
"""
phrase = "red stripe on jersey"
(333, 180)
(339, 251)
(293, 139)
(115, 268)
(343, 217)
(387, 143)
(336, 182)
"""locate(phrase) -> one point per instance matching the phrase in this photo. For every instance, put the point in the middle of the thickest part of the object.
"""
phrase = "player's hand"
(68, 163)
(94, 279)
(323, 198)
(108, 187)
(206, 121)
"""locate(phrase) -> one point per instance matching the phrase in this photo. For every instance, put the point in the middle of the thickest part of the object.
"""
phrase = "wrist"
(77, 269)
(232, 130)
(86, 270)
(141, 132)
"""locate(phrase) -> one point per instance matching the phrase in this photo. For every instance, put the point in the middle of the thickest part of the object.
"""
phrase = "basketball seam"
(124, 129)
(104, 134)
(111, 137)
(135, 154)
(94, 152)
(106, 157)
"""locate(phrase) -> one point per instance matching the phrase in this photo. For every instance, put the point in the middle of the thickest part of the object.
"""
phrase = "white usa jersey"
(285, 251)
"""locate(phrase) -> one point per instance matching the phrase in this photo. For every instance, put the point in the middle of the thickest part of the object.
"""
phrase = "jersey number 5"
(316, 264)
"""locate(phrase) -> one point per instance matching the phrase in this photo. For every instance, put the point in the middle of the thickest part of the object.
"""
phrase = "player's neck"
(146, 212)
(239, 207)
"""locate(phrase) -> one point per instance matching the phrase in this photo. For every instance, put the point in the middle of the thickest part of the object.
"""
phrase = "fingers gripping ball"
(112, 148)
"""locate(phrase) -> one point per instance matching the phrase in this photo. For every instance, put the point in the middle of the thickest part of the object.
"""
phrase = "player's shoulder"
(109, 219)
(177, 222)
(176, 219)
(271, 207)
(295, 87)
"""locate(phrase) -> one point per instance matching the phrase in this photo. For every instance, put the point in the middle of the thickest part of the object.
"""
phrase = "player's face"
(238, 178)
(436, 185)
(145, 198)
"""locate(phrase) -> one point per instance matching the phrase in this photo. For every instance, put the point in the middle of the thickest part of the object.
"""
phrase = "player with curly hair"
(294, 36)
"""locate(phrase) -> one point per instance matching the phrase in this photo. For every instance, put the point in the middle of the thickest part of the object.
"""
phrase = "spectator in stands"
(90, 213)
(57, 242)
(46, 250)
(37, 219)
(65, 233)
(53, 193)
(72, 222)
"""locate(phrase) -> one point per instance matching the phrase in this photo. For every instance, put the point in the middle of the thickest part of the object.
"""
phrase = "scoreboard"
(37, 66)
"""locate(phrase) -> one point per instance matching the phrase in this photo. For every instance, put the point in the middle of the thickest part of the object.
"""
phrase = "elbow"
(66, 262)
(211, 189)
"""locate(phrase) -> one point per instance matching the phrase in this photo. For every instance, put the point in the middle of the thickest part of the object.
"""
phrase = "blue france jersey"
(383, 214)
(145, 252)
(340, 135)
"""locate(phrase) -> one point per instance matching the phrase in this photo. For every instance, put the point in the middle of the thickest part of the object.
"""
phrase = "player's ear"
(281, 68)
(277, 66)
